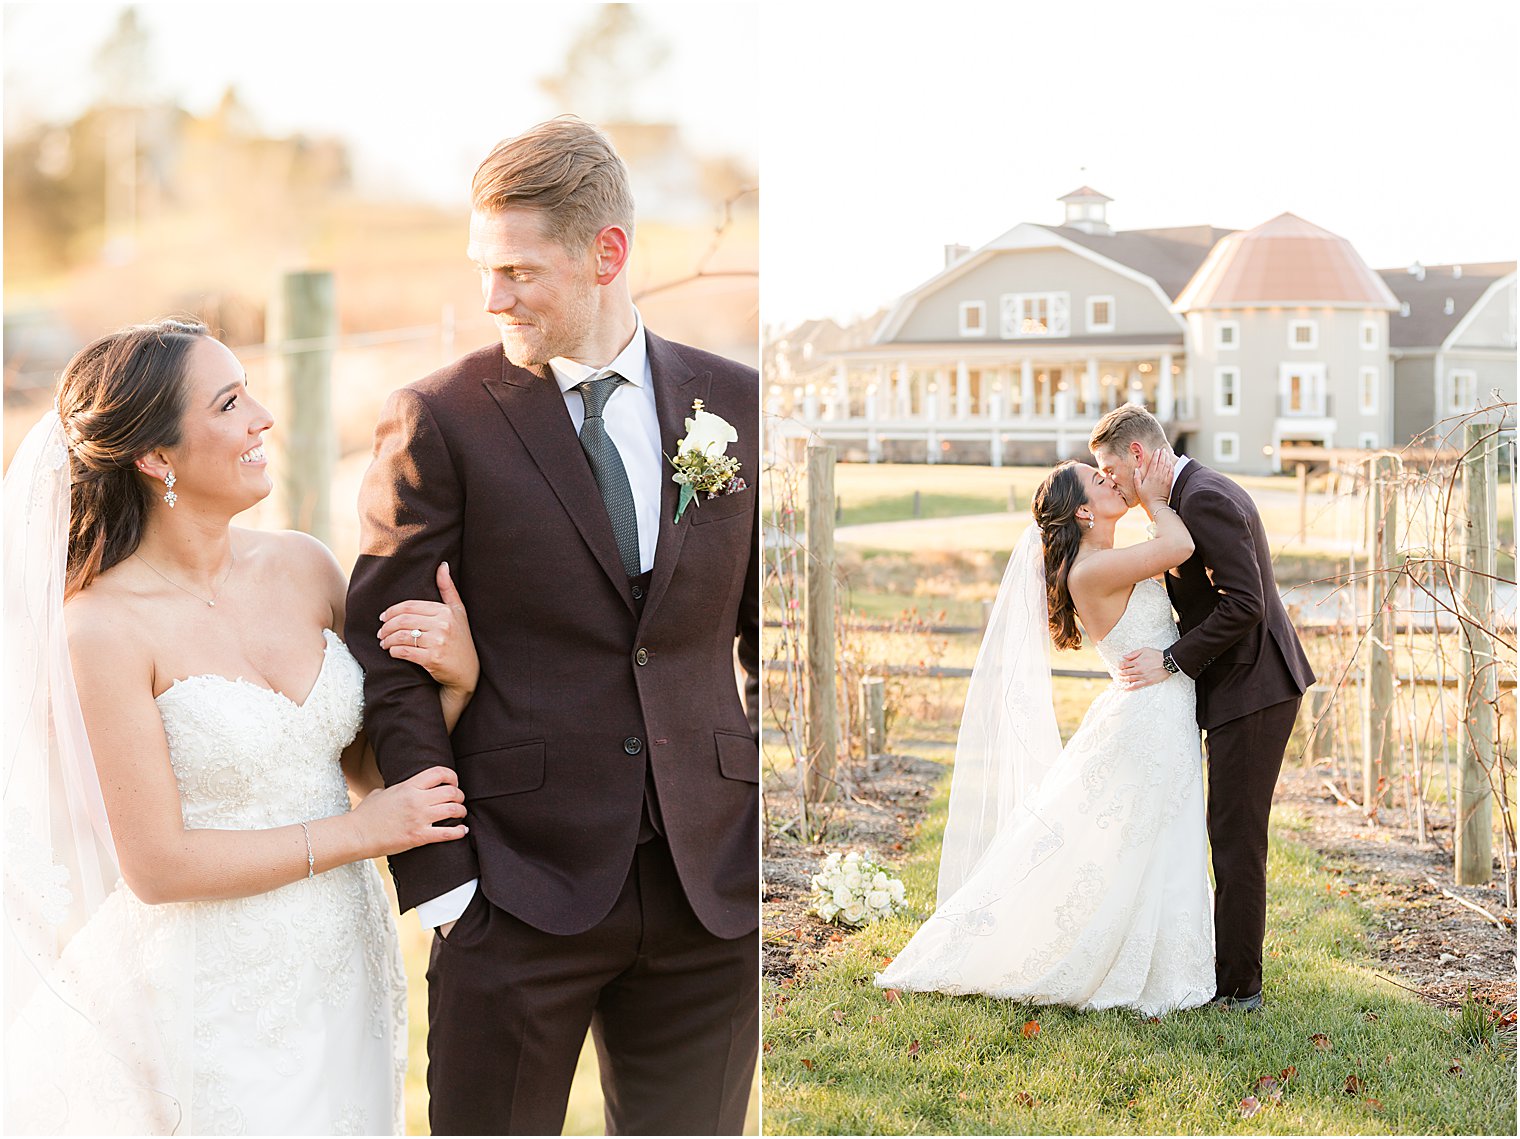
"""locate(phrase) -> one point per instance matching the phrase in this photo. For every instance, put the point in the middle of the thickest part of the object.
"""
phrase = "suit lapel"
(1174, 575)
(675, 386)
(535, 407)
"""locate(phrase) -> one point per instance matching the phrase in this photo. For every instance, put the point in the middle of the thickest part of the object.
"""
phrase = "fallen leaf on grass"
(1024, 1099)
(962, 1096)
(1031, 1028)
(836, 937)
(1371, 1016)
(892, 994)
(913, 1050)
(838, 1015)
(876, 1020)
(1355, 1085)
(1375, 1104)
(1321, 1041)
(806, 1063)
(1249, 1107)
(1153, 1020)
(1268, 1088)
(768, 1048)
(1288, 1073)
(1456, 1068)
(885, 961)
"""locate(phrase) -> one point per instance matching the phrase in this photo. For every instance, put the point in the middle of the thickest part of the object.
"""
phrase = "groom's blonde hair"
(1124, 425)
(567, 170)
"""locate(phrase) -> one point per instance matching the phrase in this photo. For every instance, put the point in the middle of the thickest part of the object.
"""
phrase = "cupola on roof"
(1286, 261)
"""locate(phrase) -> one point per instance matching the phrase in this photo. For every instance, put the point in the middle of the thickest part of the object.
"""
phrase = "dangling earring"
(169, 496)
(1089, 523)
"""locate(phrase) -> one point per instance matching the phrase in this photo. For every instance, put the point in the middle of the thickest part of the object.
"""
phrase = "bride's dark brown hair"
(119, 398)
(1055, 513)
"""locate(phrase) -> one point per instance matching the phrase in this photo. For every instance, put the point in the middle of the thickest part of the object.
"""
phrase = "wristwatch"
(1168, 663)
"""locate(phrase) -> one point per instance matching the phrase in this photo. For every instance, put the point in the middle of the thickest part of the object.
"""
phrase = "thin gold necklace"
(191, 592)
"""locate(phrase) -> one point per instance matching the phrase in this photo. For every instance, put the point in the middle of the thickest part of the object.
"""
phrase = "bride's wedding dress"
(1094, 893)
(281, 1013)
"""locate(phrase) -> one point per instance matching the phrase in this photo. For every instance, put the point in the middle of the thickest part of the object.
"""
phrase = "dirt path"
(1423, 939)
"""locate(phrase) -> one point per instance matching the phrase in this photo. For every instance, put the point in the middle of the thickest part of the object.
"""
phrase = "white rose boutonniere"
(700, 463)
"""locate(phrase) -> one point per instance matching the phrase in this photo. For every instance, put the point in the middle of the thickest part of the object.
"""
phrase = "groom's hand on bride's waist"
(1142, 668)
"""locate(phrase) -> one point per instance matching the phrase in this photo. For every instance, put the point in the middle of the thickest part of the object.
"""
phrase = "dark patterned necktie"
(607, 466)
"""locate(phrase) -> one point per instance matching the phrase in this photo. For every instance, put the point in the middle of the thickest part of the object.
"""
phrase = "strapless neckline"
(329, 637)
(1128, 606)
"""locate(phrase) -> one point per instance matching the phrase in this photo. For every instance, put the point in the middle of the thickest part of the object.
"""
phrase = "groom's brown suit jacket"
(583, 686)
(1237, 642)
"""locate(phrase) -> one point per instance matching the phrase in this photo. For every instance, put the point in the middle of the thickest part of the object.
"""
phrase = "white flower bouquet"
(852, 890)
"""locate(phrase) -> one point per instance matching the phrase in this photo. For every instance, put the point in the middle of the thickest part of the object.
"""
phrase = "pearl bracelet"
(311, 859)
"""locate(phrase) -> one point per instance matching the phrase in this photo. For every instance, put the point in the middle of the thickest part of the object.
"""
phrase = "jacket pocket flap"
(725, 506)
(502, 771)
(738, 756)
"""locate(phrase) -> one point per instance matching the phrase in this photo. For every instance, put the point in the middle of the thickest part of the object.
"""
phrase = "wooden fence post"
(873, 704)
(819, 780)
(1302, 471)
(306, 324)
(1380, 740)
(1477, 681)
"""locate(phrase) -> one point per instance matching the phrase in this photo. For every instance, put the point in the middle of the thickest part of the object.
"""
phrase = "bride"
(1075, 876)
(243, 975)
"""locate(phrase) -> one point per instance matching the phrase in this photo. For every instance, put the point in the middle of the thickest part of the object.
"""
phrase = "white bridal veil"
(124, 1053)
(1008, 738)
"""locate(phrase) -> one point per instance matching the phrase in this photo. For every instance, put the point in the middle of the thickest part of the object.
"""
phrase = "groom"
(1249, 669)
(610, 770)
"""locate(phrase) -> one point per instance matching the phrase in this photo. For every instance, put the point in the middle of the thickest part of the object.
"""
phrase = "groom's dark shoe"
(1252, 1003)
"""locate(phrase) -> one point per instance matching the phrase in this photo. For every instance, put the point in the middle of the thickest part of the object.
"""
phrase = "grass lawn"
(845, 1059)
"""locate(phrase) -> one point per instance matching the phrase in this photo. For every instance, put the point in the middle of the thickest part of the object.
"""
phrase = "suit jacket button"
(638, 592)
(633, 745)
(642, 656)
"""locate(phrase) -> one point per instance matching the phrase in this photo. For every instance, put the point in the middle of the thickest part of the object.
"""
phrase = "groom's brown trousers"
(673, 1011)
(1245, 756)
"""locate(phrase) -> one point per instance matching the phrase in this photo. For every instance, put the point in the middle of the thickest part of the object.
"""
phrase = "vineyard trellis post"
(1380, 740)
(821, 740)
(1477, 677)
(306, 328)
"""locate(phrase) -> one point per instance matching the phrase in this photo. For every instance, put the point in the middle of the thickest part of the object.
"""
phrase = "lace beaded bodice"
(246, 756)
(276, 1013)
(1146, 623)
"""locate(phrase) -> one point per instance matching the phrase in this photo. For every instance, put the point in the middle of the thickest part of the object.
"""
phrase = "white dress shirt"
(1182, 461)
(633, 424)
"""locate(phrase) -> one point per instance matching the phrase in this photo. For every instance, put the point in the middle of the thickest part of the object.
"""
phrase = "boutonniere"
(701, 466)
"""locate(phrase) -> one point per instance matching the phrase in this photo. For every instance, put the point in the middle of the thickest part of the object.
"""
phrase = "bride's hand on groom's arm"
(443, 644)
(403, 815)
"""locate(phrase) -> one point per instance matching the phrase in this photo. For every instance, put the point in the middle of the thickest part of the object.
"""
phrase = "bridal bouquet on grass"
(852, 890)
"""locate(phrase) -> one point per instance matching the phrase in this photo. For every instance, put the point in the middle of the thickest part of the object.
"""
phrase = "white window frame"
(1369, 335)
(1313, 373)
(1232, 373)
(1093, 325)
(1308, 345)
(1219, 342)
(1364, 389)
(1455, 381)
(1367, 441)
(978, 307)
(1014, 311)
(1224, 454)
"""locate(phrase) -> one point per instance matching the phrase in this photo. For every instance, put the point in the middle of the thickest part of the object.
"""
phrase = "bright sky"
(421, 90)
(899, 129)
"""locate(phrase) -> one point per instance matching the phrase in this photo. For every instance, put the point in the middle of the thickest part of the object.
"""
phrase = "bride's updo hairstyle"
(119, 398)
(1055, 513)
